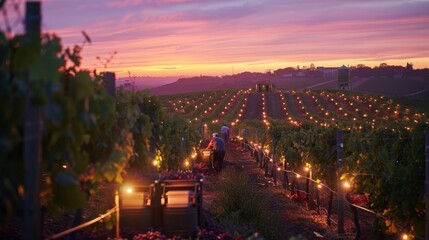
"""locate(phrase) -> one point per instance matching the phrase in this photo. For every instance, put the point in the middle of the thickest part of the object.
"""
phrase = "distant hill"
(145, 82)
(396, 87)
(206, 83)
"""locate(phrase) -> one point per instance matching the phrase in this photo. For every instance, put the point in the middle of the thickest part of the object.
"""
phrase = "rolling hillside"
(321, 107)
(416, 87)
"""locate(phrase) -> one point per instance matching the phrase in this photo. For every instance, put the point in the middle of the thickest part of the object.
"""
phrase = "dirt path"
(294, 218)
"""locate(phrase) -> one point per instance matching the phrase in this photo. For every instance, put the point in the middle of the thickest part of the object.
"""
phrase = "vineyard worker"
(224, 132)
(218, 145)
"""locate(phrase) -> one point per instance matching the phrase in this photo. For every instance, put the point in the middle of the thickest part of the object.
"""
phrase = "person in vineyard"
(224, 132)
(218, 145)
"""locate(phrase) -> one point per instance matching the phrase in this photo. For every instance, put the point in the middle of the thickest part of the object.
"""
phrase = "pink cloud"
(163, 34)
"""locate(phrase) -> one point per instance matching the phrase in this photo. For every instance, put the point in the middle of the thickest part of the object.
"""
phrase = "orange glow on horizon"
(191, 37)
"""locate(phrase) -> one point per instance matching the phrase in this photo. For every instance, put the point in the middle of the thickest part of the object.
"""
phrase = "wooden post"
(427, 186)
(317, 200)
(355, 216)
(307, 188)
(274, 167)
(157, 206)
(32, 139)
(110, 83)
(117, 213)
(328, 219)
(109, 80)
(340, 147)
(200, 201)
(285, 177)
(266, 162)
(310, 190)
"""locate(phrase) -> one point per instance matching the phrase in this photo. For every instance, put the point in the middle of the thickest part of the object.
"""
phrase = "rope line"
(83, 225)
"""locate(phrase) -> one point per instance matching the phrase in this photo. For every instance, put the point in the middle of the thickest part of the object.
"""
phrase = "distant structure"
(328, 73)
(129, 83)
(264, 86)
(344, 78)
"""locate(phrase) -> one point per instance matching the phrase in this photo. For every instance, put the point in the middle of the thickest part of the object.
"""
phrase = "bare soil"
(295, 218)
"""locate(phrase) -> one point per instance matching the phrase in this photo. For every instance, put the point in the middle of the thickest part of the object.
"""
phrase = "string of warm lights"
(309, 113)
(289, 116)
(283, 102)
(196, 107)
(351, 106)
(346, 184)
(343, 110)
(264, 111)
(199, 110)
(227, 107)
(331, 112)
(241, 111)
(348, 110)
(214, 103)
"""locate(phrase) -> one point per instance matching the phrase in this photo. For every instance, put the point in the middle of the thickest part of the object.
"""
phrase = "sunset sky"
(220, 37)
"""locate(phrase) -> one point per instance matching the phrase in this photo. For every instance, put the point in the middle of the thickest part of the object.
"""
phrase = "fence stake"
(340, 147)
(274, 167)
(117, 213)
(427, 187)
(285, 178)
(317, 200)
(307, 190)
(32, 138)
(109, 79)
(266, 162)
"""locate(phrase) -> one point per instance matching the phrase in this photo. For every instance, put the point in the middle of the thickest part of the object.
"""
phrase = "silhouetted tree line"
(359, 71)
(387, 71)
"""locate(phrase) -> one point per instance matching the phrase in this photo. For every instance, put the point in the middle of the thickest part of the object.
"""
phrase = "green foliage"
(255, 131)
(177, 141)
(88, 138)
(389, 167)
(240, 206)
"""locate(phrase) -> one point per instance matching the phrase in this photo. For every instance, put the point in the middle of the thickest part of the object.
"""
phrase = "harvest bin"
(135, 206)
(180, 213)
(181, 206)
(171, 206)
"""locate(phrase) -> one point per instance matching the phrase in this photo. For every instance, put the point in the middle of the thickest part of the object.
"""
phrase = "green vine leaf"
(84, 84)
(70, 197)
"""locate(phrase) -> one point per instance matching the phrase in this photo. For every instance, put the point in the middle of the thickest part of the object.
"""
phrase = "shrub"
(240, 207)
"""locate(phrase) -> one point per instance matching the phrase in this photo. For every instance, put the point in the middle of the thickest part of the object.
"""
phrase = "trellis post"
(32, 138)
(274, 167)
(427, 186)
(340, 151)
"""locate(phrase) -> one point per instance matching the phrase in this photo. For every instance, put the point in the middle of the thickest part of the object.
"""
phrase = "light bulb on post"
(155, 163)
(346, 185)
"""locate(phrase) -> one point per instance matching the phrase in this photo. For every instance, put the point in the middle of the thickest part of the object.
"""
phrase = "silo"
(343, 78)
